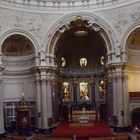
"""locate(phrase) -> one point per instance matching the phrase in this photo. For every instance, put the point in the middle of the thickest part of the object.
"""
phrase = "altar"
(83, 115)
(83, 119)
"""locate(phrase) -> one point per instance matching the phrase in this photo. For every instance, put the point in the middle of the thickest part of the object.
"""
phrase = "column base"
(122, 129)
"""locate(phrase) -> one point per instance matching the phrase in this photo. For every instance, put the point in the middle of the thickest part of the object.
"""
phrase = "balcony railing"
(60, 4)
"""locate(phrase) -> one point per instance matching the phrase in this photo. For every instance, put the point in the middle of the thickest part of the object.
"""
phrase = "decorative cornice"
(79, 22)
(63, 5)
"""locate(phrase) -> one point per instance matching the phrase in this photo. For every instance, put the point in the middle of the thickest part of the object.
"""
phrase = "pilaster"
(2, 131)
(38, 102)
(44, 100)
(49, 96)
(127, 121)
(120, 95)
(45, 92)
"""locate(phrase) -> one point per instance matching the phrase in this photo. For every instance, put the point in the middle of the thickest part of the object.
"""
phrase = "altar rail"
(60, 4)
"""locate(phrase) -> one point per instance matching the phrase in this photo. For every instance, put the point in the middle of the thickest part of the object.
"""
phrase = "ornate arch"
(50, 44)
(23, 33)
(126, 35)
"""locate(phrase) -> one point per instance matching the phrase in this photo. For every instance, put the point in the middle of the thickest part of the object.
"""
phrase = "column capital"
(114, 66)
(51, 70)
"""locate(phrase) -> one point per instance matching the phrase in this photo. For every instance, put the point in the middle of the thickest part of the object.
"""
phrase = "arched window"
(83, 62)
(63, 61)
(102, 60)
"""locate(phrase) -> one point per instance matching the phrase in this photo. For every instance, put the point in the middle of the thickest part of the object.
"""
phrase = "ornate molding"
(48, 71)
(44, 5)
(114, 66)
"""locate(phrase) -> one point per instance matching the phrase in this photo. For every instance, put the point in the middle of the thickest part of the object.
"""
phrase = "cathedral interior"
(65, 61)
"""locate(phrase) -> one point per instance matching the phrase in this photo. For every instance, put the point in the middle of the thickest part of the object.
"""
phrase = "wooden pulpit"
(23, 117)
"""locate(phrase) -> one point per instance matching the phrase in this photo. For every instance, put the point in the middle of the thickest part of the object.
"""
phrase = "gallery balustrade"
(61, 4)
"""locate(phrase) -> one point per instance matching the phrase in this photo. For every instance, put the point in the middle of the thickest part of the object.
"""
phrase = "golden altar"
(83, 115)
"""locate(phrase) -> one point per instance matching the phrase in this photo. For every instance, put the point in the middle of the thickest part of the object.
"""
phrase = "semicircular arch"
(19, 32)
(127, 34)
(52, 36)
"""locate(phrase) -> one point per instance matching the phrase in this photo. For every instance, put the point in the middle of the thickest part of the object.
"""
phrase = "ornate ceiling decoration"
(80, 26)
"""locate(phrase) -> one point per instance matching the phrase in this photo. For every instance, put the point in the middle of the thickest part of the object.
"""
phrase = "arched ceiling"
(81, 42)
(80, 38)
(92, 42)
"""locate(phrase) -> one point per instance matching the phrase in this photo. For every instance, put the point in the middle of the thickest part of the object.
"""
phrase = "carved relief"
(36, 24)
(122, 17)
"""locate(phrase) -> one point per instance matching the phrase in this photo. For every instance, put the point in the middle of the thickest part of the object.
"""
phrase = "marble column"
(109, 93)
(38, 102)
(114, 93)
(120, 111)
(2, 131)
(118, 94)
(49, 97)
(44, 101)
(126, 100)
(55, 101)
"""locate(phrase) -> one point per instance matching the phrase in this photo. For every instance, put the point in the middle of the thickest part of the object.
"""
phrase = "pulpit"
(23, 117)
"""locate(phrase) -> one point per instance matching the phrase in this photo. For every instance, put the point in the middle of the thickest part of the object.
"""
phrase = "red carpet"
(99, 129)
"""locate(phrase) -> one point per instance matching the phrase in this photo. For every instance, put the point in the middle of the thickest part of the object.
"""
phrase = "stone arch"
(53, 35)
(23, 33)
(131, 52)
(127, 34)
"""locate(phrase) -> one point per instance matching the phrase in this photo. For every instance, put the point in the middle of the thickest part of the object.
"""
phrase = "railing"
(60, 4)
